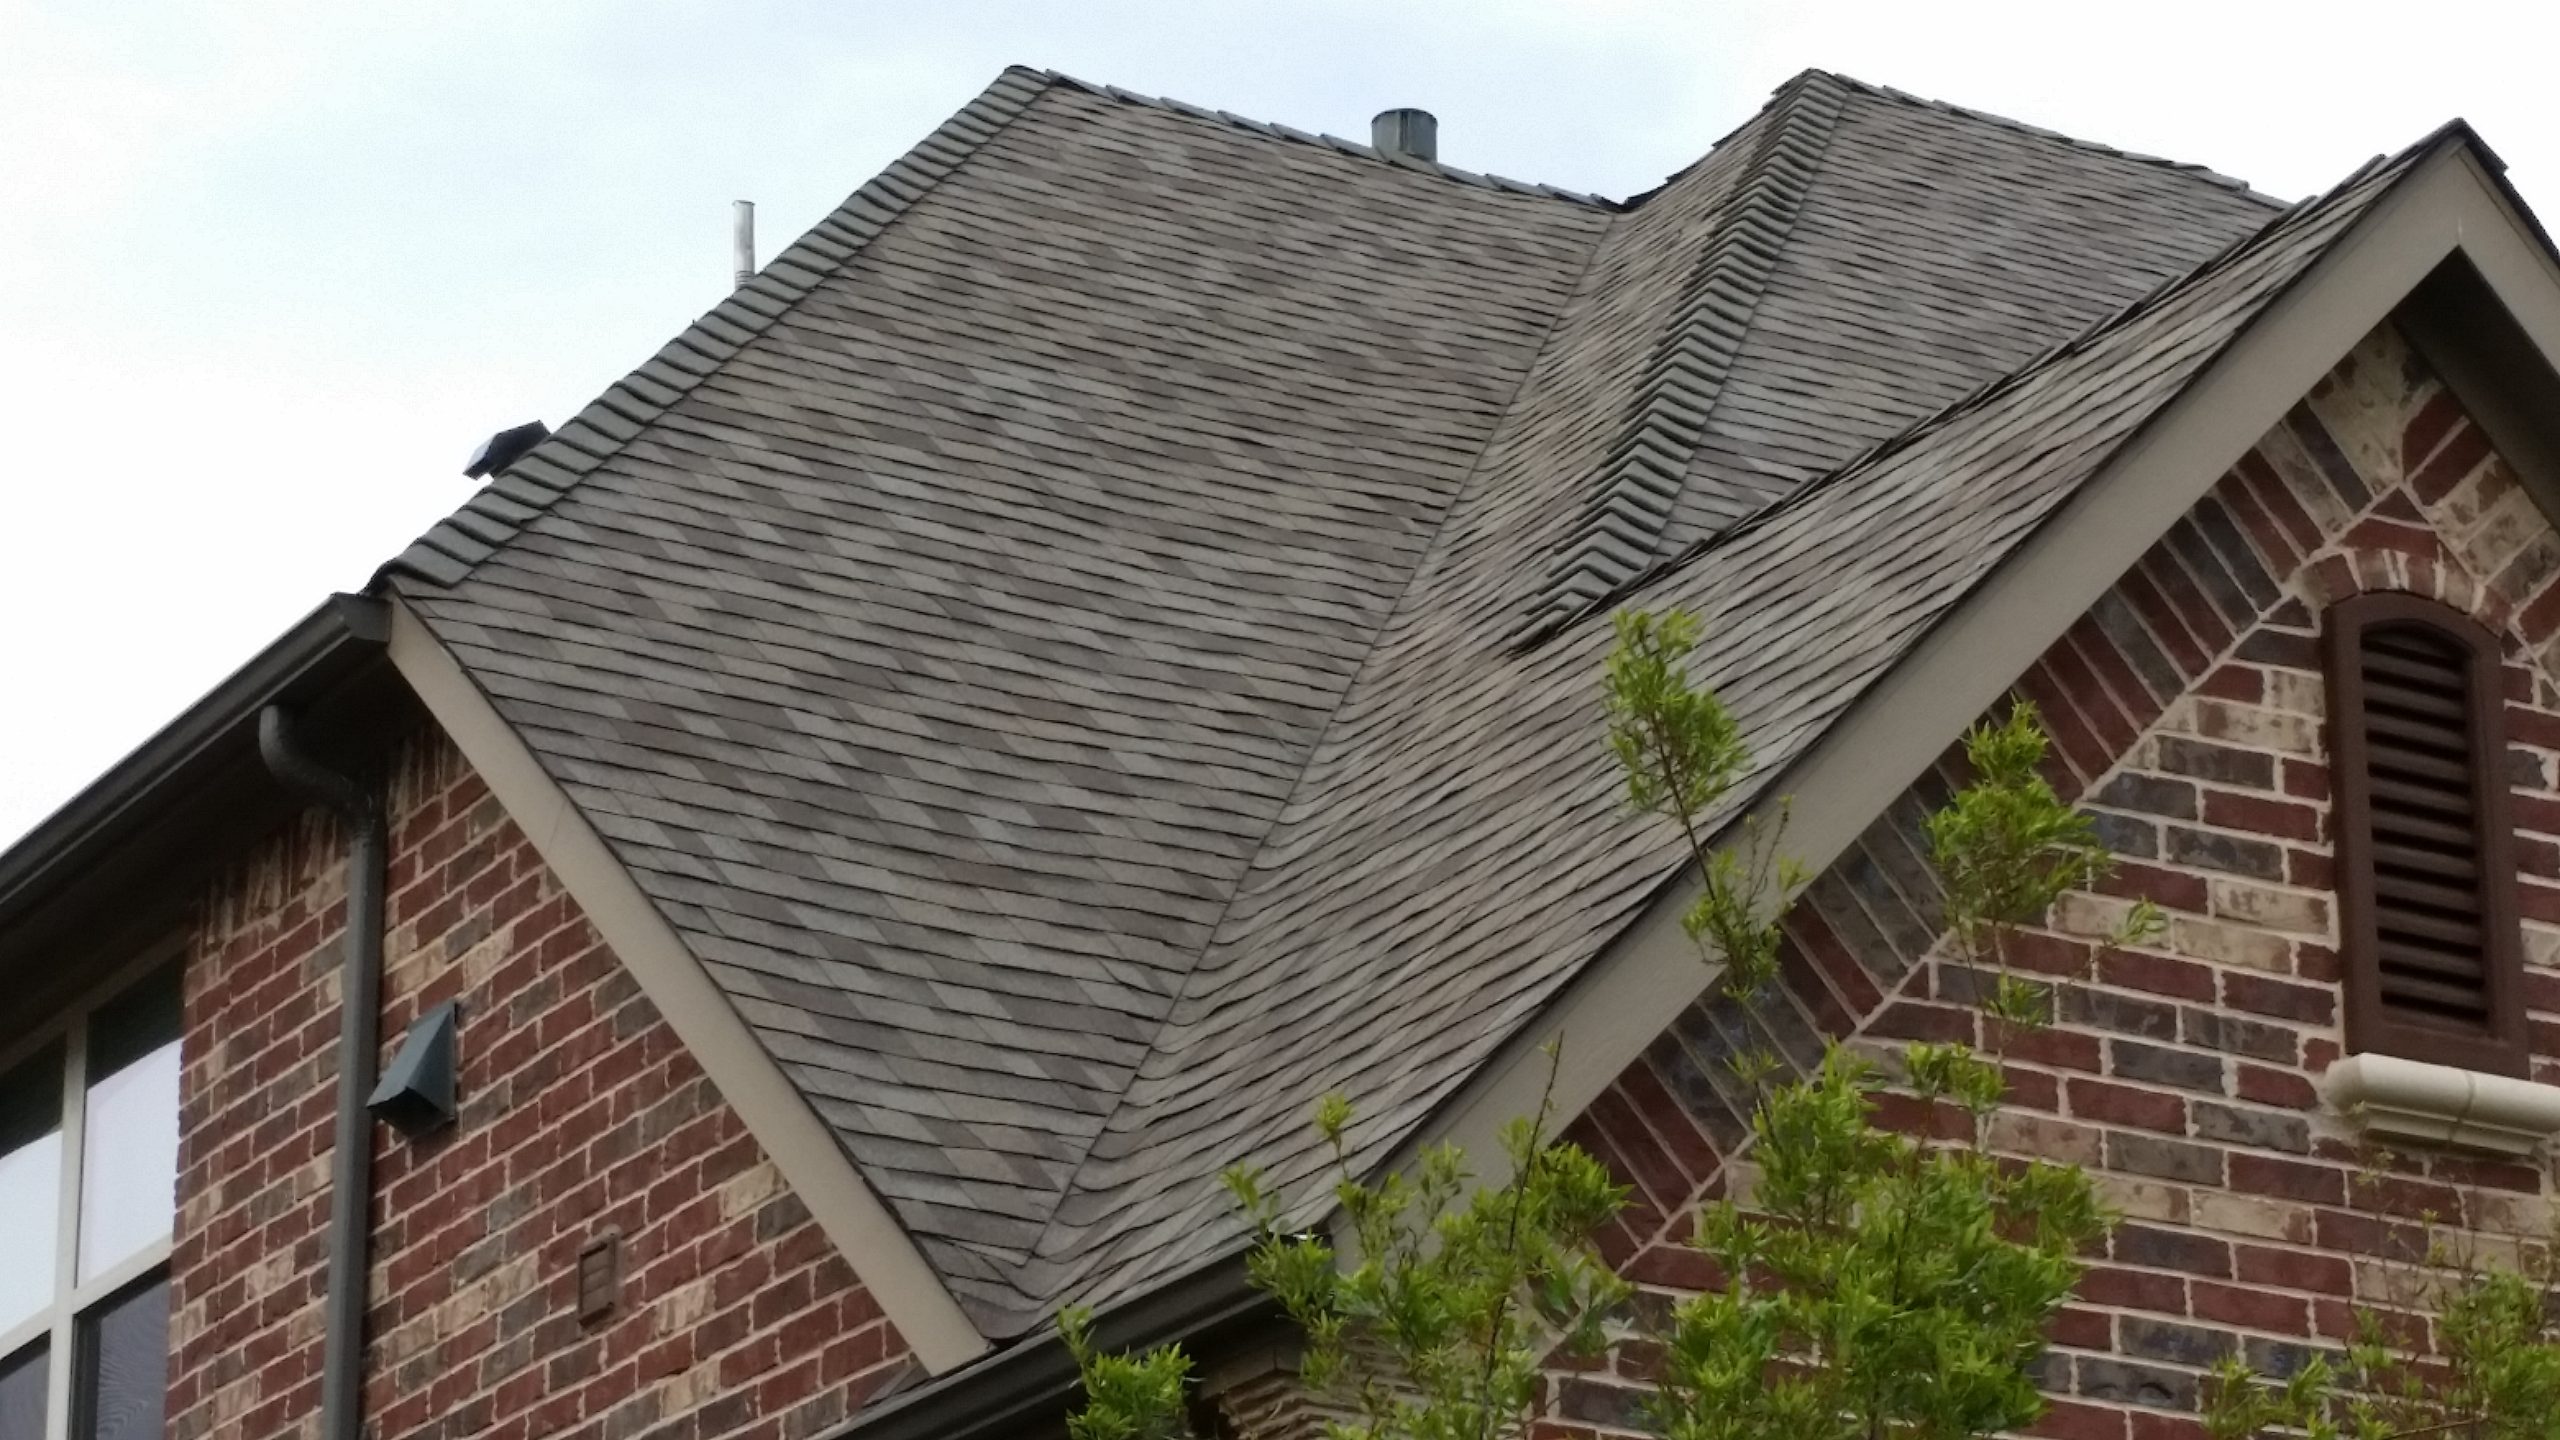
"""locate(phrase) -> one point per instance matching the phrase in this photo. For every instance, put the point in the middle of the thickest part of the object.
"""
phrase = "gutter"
(1027, 1389)
(212, 767)
(342, 632)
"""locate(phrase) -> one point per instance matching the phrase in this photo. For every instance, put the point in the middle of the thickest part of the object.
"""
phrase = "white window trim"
(58, 1324)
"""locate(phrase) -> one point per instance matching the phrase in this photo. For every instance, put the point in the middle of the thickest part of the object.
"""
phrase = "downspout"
(359, 1044)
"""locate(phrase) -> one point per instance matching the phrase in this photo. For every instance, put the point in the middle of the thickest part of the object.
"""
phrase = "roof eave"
(1026, 1389)
(199, 775)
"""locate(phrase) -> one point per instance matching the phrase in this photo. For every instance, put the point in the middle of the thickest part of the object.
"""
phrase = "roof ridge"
(1272, 130)
(448, 552)
(1644, 473)
(1989, 390)
(2200, 172)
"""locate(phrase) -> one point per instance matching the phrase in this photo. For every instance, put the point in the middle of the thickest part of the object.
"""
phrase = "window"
(2426, 874)
(88, 1190)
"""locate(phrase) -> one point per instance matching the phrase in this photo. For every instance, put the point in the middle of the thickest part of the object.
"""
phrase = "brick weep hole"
(2186, 708)
(581, 1115)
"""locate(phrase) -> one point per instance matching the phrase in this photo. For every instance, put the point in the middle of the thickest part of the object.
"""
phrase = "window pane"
(123, 1382)
(129, 1139)
(30, 1184)
(22, 1379)
(134, 1023)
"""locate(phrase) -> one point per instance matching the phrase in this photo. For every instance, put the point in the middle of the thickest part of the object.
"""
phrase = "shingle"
(1049, 647)
(1105, 547)
(1805, 604)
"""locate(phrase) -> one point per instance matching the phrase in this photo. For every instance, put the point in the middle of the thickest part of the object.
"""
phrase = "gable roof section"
(1879, 257)
(1457, 849)
(1992, 526)
(938, 659)
(1052, 659)
(1942, 251)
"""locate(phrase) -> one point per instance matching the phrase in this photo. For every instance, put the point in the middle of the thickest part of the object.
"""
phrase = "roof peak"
(1992, 389)
(1805, 78)
(1966, 112)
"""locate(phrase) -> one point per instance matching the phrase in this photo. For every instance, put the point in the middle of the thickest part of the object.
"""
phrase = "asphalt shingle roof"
(1876, 257)
(1457, 851)
(1078, 648)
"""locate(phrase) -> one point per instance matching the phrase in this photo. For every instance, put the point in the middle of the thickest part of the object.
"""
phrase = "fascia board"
(808, 1154)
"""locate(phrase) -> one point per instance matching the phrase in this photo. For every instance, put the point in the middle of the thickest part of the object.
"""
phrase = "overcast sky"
(270, 268)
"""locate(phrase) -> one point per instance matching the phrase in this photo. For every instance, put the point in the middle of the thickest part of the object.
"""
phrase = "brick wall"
(2187, 711)
(581, 1115)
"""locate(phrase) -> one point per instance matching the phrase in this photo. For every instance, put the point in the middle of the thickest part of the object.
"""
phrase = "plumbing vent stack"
(742, 240)
(1406, 132)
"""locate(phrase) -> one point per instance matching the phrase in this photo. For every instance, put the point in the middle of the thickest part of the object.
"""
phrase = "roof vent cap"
(1406, 132)
(504, 449)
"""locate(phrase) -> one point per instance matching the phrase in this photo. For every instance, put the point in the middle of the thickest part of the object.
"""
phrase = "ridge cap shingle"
(1993, 389)
(1778, 95)
(1273, 130)
(2189, 169)
(1639, 484)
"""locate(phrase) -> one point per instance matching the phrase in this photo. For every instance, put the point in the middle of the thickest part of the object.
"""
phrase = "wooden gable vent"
(2426, 869)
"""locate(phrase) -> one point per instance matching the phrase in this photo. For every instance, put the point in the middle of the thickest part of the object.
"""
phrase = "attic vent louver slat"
(2425, 879)
(2419, 760)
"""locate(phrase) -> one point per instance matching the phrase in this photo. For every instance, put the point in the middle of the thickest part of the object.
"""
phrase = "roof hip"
(1986, 393)
(448, 552)
(1639, 485)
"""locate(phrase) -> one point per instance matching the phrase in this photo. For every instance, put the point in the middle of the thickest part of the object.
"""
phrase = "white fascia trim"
(2411, 1100)
(807, 1153)
(1890, 736)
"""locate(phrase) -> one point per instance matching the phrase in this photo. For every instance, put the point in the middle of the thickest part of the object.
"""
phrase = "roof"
(1082, 648)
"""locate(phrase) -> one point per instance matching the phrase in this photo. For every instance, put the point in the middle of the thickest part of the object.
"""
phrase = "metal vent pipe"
(1406, 132)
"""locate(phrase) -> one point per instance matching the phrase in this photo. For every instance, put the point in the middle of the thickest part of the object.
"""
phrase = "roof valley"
(1639, 485)
(1449, 652)
(1041, 1255)
(1987, 393)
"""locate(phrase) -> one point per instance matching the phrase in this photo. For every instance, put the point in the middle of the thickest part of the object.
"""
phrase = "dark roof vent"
(415, 1094)
(1406, 132)
(504, 449)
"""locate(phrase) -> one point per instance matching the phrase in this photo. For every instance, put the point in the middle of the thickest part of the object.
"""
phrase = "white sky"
(270, 268)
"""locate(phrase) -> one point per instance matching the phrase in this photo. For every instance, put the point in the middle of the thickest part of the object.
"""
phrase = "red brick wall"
(581, 1114)
(2187, 709)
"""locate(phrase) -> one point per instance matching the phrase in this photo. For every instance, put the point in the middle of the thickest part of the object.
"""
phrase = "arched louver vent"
(2425, 877)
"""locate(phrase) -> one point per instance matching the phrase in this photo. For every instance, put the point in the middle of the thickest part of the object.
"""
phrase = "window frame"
(2373, 1025)
(58, 1324)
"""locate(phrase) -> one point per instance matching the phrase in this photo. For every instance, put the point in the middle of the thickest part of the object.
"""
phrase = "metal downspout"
(359, 1044)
